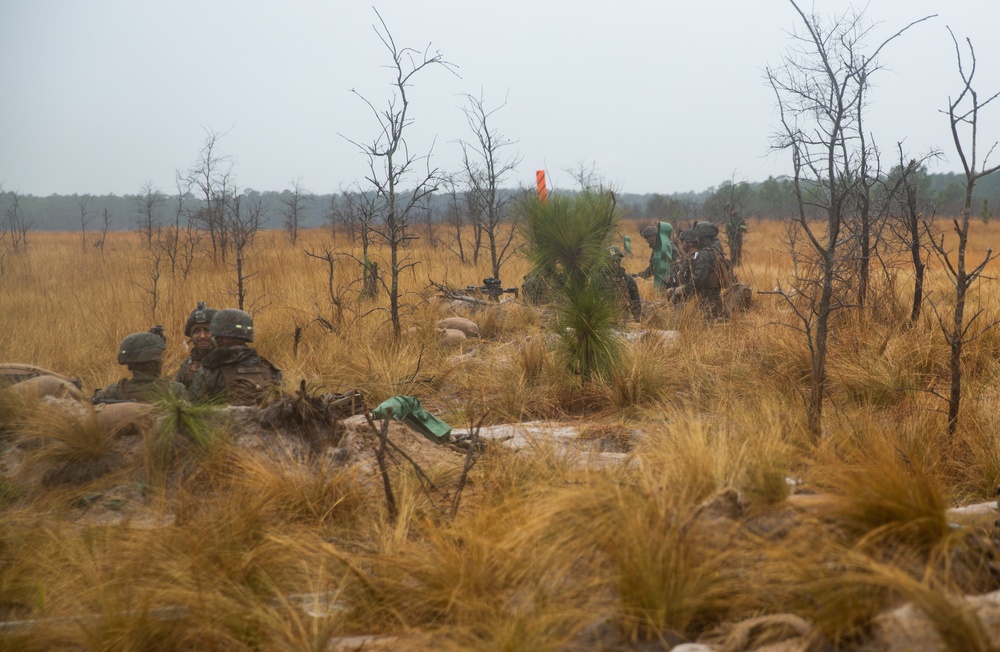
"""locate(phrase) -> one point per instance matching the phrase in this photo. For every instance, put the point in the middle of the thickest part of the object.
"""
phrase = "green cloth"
(662, 255)
(408, 410)
(627, 245)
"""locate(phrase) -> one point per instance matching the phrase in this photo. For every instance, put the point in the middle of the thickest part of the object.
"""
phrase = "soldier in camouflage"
(201, 344)
(649, 235)
(704, 275)
(142, 353)
(621, 284)
(234, 373)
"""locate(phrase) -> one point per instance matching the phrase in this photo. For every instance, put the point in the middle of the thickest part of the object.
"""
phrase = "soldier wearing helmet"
(620, 284)
(201, 344)
(142, 353)
(233, 372)
(649, 235)
(705, 273)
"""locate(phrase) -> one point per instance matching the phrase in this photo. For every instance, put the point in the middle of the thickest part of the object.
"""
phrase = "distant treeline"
(770, 199)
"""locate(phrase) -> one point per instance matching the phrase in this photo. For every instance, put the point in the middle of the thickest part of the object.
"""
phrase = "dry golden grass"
(545, 553)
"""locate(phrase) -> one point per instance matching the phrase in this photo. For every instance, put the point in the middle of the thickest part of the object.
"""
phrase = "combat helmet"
(690, 235)
(616, 252)
(141, 347)
(648, 232)
(707, 231)
(200, 315)
(232, 323)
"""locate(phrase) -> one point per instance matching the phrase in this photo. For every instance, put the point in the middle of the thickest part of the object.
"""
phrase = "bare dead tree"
(189, 245)
(84, 222)
(963, 116)
(105, 227)
(863, 223)
(147, 219)
(244, 216)
(3, 223)
(485, 165)
(585, 175)
(169, 237)
(360, 211)
(329, 257)
(295, 203)
(454, 217)
(339, 218)
(428, 220)
(211, 176)
(820, 90)
(391, 164)
(911, 218)
(472, 207)
(16, 224)
(151, 286)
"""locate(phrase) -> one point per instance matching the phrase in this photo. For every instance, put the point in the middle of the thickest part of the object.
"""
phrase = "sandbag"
(16, 372)
(467, 326)
(452, 337)
(122, 419)
(55, 386)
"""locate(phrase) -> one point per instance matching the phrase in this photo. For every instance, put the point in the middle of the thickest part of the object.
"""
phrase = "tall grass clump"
(892, 487)
(67, 447)
(665, 576)
(311, 492)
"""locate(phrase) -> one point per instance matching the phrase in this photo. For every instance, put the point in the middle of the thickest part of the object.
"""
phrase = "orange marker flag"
(543, 194)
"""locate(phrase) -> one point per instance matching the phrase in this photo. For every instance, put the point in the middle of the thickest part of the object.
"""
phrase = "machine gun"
(493, 288)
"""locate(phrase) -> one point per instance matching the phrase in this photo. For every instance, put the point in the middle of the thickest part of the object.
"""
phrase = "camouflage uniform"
(619, 282)
(646, 234)
(189, 368)
(703, 277)
(235, 375)
(200, 316)
(540, 287)
(142, 353)
(140, 389)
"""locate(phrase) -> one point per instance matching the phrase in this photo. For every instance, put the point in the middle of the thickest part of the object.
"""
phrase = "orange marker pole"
(543, 194)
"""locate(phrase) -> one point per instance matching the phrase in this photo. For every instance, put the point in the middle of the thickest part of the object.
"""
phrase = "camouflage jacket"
(235, 375)
(704, 276)
(189, 368)
(541, 287)
(139, 390)
(620, 283)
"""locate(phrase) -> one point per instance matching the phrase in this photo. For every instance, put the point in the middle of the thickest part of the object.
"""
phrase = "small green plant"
(566, 241)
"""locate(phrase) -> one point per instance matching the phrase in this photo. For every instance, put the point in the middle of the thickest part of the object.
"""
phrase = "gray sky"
(657, 96)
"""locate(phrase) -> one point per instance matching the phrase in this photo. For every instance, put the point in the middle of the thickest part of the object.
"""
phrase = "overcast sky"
(655, 95)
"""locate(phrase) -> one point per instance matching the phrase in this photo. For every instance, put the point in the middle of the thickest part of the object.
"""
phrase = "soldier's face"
(201, 339)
